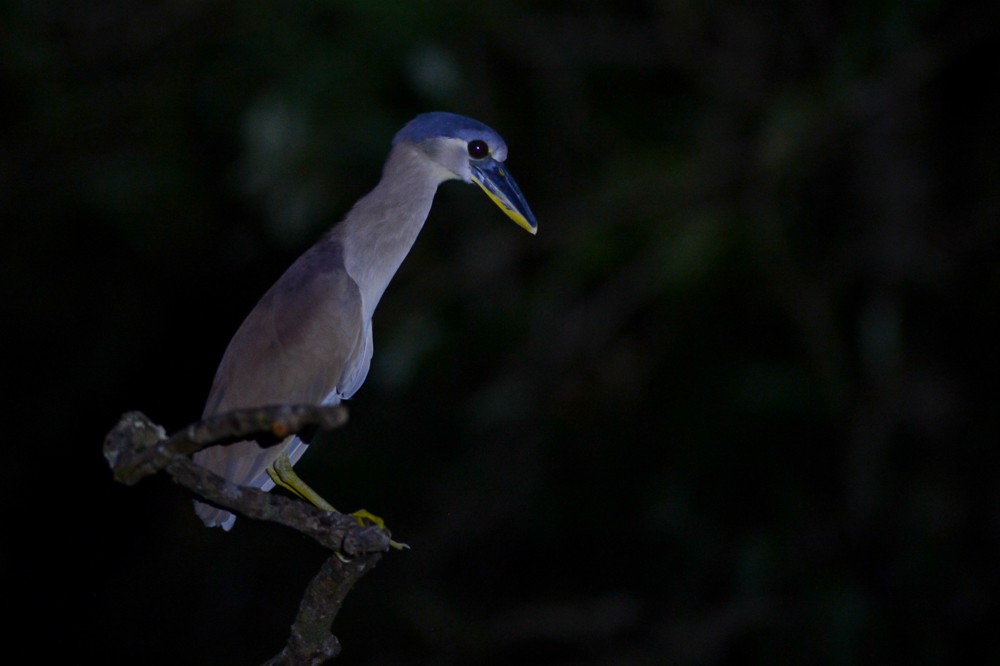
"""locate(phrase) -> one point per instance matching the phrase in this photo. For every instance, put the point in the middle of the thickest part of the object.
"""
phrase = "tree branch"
(136, 448)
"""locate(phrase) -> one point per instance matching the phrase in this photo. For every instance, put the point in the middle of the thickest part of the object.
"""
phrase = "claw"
(364, 514)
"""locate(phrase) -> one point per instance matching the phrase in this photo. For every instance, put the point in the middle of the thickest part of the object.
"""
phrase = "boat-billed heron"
(309, 339)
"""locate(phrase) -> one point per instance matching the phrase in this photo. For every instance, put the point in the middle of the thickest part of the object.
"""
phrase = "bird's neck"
(382, 226)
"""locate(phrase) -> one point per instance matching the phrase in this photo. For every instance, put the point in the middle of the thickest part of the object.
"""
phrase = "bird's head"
(472, 152)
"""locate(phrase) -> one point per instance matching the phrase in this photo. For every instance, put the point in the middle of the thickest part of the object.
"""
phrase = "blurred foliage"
(735, 403)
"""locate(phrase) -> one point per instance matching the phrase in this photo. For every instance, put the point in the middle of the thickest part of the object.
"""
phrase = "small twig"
(136, 447)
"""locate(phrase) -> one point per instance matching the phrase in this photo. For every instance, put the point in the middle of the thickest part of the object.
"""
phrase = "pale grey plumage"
(309, 339)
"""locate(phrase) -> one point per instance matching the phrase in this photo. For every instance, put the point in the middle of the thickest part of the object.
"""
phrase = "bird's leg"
(283, 475)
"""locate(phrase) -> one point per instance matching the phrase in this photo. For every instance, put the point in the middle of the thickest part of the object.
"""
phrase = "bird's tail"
(214, 517)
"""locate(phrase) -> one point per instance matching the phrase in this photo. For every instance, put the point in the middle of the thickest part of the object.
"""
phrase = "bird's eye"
(478, 149)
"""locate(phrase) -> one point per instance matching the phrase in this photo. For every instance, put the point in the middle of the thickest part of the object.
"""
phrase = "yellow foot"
(363, 515)
(366, 517)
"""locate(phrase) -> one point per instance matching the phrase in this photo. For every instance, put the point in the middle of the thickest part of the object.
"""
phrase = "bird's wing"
(303, 341)
(303, 338)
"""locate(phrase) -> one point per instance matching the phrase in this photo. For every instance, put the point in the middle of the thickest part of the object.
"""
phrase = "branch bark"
(136, 448)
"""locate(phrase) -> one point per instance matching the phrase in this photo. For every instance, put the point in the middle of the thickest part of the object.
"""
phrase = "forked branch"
(136, 448)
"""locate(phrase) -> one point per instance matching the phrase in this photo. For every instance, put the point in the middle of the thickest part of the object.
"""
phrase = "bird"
(309, 339)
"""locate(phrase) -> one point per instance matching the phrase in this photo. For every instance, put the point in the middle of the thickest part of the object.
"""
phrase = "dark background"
(735, 403)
